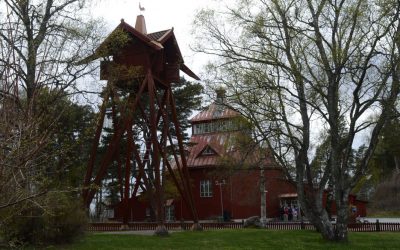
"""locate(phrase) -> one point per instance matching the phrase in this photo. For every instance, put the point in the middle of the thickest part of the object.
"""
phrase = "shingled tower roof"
(156, 41)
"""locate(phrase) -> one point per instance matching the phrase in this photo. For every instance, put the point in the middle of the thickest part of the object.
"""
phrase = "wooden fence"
(142, 226)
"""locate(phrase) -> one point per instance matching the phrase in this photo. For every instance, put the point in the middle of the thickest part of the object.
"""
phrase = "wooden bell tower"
(140, 69)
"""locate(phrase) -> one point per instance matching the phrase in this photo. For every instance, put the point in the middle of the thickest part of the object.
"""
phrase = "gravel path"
(383, 220)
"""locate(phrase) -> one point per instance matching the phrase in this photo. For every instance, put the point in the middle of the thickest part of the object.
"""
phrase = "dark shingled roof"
(213, 112)
(155, 36)
(154, 40)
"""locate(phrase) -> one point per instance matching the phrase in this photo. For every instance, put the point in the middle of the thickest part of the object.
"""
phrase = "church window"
(205, 188)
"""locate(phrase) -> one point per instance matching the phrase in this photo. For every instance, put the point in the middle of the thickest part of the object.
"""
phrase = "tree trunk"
(397, 163)
(320, 219)
(318, 216)
(316, 213)
(341, 223)
(263, 198)
(325, 227)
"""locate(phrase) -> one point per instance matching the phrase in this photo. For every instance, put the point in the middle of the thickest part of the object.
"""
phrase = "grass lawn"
(235, 239)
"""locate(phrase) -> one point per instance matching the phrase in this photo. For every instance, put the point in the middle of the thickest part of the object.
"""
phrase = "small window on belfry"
(208, 151)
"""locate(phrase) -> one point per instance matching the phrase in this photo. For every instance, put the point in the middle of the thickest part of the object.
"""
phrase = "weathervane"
(141, 8)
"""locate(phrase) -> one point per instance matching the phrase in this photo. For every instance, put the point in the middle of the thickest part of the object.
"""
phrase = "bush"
(22, 227)
(60, 220)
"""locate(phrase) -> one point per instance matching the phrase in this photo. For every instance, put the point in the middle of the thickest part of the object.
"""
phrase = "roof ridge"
(212, 112)
(158, 35)
(159, 31)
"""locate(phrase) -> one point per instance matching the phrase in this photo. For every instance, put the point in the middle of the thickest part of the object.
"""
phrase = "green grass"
(236, 239)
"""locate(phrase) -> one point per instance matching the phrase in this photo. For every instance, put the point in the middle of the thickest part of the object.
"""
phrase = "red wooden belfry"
(140, 69)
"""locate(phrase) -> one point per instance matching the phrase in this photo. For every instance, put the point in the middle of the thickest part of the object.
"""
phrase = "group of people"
(289, 213)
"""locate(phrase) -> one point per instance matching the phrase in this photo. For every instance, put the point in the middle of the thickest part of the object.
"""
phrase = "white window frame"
(206, 188)
(170, 213)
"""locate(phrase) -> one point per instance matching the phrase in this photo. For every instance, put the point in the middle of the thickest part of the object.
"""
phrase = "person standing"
(286, 213)
(290, 212)
(295, 213)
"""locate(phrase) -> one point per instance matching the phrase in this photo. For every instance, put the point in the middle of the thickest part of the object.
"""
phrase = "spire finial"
(141, 8)
(220, 95)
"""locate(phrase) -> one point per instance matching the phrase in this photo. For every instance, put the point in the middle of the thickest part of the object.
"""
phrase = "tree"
(386, 198)
(188, 98)
(383, 167)
(70, 141)
(298, 69)
(41, 42)
(387, 156)
(40, 178)
(40, 45)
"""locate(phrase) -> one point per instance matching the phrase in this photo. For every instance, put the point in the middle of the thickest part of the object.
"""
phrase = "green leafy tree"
(32, 207)
(188, 97)
(386, 198)
(384, 166)
(69, 145)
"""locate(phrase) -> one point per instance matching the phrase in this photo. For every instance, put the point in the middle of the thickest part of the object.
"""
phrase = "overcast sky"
(159, 15)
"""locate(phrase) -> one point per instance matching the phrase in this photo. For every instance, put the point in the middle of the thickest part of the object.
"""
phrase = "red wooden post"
(95, 145)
